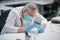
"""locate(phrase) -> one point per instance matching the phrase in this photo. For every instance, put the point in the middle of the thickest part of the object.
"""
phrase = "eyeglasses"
(30, 13)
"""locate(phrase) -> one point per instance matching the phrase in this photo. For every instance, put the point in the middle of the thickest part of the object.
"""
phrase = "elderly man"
(20, 17)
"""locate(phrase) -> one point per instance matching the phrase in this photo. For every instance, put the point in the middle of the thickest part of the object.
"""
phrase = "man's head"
(30, 9)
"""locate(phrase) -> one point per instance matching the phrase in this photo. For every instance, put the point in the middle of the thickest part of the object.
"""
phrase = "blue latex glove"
(40, 29)
(29, 27)
(33, 25)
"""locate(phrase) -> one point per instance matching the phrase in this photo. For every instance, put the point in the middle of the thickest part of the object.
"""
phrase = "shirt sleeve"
(10, 22)
(39, 18)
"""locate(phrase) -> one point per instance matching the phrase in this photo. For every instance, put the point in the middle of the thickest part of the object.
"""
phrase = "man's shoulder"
(37, 15)
(17, 9)
(20, 7)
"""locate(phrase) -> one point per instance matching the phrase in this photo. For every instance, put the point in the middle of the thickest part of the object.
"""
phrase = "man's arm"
(10, 22)
(40, 19)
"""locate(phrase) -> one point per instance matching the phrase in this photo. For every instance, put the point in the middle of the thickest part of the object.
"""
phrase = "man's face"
(32, 13)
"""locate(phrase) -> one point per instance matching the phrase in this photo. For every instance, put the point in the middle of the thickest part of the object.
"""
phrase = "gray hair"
(31, 6)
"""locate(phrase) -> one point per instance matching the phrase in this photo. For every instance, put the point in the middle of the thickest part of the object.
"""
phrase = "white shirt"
(13, 21)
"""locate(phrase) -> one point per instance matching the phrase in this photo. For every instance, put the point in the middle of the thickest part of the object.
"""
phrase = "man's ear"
(24, 10)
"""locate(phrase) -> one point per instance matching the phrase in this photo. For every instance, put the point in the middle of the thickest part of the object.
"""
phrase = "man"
(20, 17)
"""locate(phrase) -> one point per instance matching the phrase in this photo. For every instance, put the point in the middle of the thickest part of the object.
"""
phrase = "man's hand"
(44, 24)
(21, 30)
